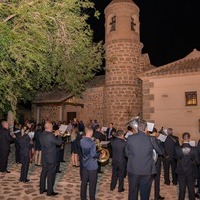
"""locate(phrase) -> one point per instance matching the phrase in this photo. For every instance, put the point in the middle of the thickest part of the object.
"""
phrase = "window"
(113, 24)
(191, 98)
(132, 24)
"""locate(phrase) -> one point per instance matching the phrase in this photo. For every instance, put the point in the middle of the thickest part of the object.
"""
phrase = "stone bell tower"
(124, 61)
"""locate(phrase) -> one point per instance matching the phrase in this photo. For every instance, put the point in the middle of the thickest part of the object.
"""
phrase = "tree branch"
(9, 17)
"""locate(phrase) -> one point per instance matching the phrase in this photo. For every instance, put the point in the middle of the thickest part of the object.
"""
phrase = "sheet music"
(192, 143)
(150, 126)
(104, 142)
(104, 129)
(162, 137)
(63, 128)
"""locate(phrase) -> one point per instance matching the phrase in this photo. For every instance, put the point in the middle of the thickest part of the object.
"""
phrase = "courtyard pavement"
(67, 183)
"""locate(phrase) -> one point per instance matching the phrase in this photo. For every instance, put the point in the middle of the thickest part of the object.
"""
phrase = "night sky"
(169, 29)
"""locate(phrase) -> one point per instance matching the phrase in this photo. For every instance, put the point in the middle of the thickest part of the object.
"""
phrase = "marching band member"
(118, 144)
(25, 147)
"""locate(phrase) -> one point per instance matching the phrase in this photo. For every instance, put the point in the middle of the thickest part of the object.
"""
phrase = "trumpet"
(57, 132)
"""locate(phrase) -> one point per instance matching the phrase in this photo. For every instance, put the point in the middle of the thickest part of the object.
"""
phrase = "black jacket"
(48, 143)
(139, 150)
(5, 139)
(170, 144)
(25, 146)
(98, 135)
(113, 130)
(187, 157)
(118, 151)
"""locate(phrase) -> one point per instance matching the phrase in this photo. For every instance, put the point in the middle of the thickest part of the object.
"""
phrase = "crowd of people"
(135, 154)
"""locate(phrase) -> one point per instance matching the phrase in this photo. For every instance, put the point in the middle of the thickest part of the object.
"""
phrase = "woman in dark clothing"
(17, 134)
(74, 147)
(25, 147)
(38, 152)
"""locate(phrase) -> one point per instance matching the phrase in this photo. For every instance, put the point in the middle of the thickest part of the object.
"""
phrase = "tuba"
(133, 123)
(105, 155)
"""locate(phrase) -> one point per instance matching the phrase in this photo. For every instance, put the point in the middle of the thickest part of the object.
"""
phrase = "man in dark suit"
(98, 135)
(170, 144)
(118, 161)
(188, 159)
(5, 140)
(141, 166)
(48, 142)
(110, 131)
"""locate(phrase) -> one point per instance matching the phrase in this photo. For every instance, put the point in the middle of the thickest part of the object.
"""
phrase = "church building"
(166, 95)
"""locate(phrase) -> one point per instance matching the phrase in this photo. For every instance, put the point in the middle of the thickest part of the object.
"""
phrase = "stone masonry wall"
(123, 91)
(93, 105)
(124, 61)
(148, 110)
(51, 113)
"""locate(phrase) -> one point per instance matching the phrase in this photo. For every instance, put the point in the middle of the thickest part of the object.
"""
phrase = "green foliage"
(45, 44)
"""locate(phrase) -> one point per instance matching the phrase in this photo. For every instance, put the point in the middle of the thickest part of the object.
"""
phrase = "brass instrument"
(133, 123)
(104, 154)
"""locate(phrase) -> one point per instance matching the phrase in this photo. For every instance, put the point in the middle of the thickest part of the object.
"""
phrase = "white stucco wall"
(169, 104)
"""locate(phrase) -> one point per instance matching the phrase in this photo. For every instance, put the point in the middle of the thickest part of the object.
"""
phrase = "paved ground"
(67, 184)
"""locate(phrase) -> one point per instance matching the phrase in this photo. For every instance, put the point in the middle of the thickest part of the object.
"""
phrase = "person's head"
(119, 134)
(48, 126)
(111, 125)
(88, 131)
(186, 137)
(129, 128)
(55, 127)
(97, 128)
(24, 130)
(142, 126)
(4, 124)
(18, 126)
(170, 131)
(39, 127)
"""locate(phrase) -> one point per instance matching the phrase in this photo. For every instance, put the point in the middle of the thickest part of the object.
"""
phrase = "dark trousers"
(198, 179)
(91, 177)
(49, 173)
(3, 159)
(57, 166)
(62, 153)
(117, 173)
(189, 182)
(167, 165)
(99, 168)
(25, 159)
(157, 179)
(17, 152)
(81, 166)
(140, 183)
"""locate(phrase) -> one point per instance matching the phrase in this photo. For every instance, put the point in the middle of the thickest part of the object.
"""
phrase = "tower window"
(191, 98)
(132, 24)
(113, 24)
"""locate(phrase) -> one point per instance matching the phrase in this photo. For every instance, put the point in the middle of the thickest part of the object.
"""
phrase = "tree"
(44, 44)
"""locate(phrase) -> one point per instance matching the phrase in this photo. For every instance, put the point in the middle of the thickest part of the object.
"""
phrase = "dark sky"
(169, 29)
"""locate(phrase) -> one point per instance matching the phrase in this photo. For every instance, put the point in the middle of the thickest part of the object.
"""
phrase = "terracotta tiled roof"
(187, 65)
(98, 81)
(59, 96)
(54, 96)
